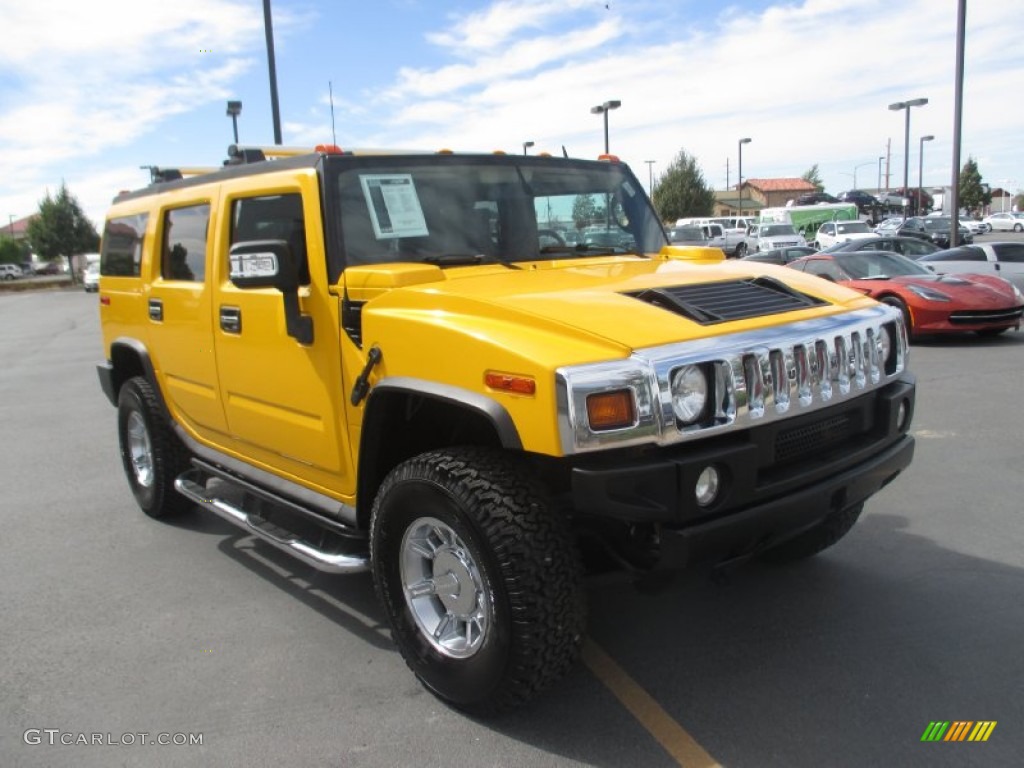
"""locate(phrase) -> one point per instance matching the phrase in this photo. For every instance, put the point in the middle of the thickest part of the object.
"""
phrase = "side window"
(825, 268)
(272, 217)
(183, 256)
(1011, 252)
(964, 253)
(121, 254)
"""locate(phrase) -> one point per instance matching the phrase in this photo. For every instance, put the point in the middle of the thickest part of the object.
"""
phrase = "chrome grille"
(756, 378)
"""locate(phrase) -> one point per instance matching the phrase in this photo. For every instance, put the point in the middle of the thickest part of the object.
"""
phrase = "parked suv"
(370, 361)
(10, 271)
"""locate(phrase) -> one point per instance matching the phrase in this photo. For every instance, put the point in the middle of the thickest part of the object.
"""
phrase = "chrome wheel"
(443, 588)
(140, 449)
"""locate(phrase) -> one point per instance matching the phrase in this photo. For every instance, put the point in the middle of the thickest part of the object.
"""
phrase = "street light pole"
(739, 173)
(650, 177)
(268, 25)
(859, 165)
(604, 109)
(526, 146)
(896, 107)
(920, 170)
(880, 159)
(234, 110)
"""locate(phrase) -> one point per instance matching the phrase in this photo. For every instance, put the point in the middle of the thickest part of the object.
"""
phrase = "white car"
(1004, 260)
(1006, 222)
(10, 271)
(975, 226)
(91, 278)
(832, 232)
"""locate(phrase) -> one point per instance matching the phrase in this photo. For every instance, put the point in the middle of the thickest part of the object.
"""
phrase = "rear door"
(179, 304)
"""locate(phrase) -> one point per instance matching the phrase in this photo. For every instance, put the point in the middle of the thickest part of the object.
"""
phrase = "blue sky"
(91, 91)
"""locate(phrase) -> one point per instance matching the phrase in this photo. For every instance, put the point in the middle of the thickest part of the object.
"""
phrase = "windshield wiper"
(465, 260)
(589, 250)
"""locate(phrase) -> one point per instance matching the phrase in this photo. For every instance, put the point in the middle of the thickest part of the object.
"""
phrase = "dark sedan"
(781, 255)
(930, 303)
(913, 247)
(934, 229)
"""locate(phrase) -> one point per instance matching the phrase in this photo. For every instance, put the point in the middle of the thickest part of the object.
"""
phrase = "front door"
(283, 399)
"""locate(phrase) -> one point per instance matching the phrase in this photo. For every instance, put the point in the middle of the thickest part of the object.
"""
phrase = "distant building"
(17, 229)
(775, 193)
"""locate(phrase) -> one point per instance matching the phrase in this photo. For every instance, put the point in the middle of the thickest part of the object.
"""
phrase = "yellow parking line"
(666, 731)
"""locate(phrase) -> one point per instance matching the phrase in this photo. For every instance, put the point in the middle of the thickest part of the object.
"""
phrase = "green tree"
(584, 211)
(971, 194)
(813, 175)
(682, 191)
(61, 229)
(11, 251)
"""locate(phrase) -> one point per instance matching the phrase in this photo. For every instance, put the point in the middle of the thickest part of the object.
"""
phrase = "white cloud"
(484, 30)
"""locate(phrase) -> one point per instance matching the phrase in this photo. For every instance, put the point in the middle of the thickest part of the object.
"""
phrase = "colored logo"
(958, 730)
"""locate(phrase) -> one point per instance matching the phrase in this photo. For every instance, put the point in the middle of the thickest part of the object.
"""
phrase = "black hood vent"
(711, 303)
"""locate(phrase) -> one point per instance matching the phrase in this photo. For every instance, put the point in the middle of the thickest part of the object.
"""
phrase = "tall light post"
(234, 110)
(739, 173)
(268, 27)
(920, 170)
(10, 218)
(880, 159)
(526, 146)
(896, 107)
(604, 109)
(859, 165)
(650, 176)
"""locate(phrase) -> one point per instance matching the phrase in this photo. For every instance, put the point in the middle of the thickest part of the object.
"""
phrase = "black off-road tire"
(814, 540)
(741, 250)
(138, 407)
(528, 575)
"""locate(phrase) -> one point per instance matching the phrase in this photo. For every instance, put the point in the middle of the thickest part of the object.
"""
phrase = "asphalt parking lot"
(117, 625)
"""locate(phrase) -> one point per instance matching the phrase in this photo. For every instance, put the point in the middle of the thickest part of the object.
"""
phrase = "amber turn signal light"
(510, 382)
(610, 410)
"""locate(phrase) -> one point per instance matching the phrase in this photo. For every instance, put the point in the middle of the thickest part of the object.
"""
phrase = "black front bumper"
(777, 480)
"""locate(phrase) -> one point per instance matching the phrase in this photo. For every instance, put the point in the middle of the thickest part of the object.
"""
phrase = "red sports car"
(930, 303)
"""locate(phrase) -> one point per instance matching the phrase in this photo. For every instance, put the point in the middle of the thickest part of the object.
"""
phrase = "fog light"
(708, 484)
(901, 416)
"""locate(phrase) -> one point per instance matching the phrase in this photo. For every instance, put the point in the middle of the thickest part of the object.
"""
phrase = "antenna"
(334, 136)
(564, 153)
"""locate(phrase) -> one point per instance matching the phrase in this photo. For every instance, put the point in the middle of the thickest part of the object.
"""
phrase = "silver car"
(1005, 222)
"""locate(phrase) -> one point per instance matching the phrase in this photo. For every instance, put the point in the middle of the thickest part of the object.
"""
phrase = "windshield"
(774, 230)
(852, 227)
(864, 266)
(453, 210)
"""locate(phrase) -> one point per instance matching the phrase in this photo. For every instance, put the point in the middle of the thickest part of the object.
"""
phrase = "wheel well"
(126, 363)
(399, 425)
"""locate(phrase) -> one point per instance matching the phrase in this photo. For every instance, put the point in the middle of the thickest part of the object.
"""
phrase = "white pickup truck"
(727, 233)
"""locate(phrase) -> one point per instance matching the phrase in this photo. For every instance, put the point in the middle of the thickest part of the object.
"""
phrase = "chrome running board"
(191, 485)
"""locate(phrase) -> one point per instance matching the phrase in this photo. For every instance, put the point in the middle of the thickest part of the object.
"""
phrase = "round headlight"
(689, 393)
(884, 345)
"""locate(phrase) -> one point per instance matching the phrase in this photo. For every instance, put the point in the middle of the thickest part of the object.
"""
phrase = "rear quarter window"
(121, 253)
(966, 253)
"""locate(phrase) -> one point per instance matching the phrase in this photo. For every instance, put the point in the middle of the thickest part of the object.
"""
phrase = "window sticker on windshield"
(629, 189)
(394, 205)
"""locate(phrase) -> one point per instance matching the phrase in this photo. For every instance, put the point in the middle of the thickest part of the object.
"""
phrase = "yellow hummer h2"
(473, 373)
